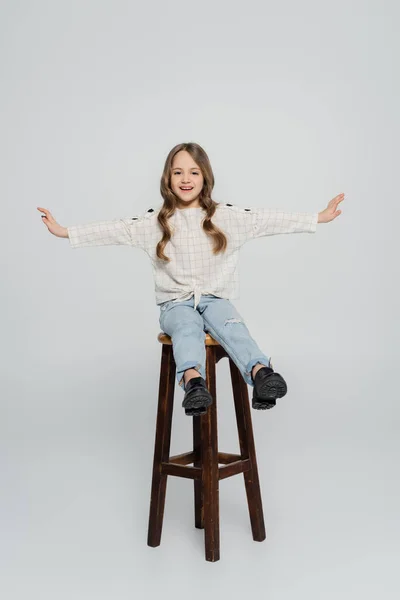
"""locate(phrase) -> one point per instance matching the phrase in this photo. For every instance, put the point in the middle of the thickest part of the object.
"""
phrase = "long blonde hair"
(201, 159)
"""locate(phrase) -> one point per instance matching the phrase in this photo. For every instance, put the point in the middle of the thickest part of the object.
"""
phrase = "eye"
(178, 172)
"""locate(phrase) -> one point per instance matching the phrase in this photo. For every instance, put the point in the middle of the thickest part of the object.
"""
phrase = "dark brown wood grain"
(181, 470)
(248, 452)
(182, 459)
(161, 445)
(198, 483)
(210, 463)
(234, 468)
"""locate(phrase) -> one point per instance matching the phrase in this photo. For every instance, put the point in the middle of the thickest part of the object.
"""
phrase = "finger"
(49, 216)
(47, 213)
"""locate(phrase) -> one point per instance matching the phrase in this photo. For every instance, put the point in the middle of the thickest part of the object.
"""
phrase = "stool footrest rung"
(183, 459)
(233, 464)
(226, 458)
(233, 468)
(186, 458)
(168, 468)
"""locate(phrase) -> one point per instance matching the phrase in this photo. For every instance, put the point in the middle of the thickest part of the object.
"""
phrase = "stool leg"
(247, 450)
(198, 484)
(162, 444)
(210, 464)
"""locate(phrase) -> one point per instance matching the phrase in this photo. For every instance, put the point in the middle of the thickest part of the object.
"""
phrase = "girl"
(193, 243)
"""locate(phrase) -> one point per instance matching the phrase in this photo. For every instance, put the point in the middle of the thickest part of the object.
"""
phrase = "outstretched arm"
(128, 230)
(271, 221)
(102, 233)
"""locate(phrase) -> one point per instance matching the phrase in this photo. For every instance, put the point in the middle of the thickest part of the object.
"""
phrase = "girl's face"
(186, 180)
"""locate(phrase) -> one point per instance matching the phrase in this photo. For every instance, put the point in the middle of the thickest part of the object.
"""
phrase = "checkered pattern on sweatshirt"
(193, 268)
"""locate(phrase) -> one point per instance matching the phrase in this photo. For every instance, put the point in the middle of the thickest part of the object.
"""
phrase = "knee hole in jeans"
(233, 321)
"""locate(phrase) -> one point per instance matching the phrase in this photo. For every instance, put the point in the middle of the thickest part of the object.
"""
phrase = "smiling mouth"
(186, 189)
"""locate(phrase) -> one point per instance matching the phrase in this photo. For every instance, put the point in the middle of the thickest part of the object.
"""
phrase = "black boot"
(197, 397)
(268, 386)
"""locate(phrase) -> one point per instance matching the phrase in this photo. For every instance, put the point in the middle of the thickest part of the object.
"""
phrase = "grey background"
(294, 103)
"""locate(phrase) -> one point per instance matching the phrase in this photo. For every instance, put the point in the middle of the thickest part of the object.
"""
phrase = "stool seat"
(163, 338)
(204, 455)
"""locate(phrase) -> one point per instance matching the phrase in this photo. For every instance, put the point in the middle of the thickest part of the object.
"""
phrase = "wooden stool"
(205, 457)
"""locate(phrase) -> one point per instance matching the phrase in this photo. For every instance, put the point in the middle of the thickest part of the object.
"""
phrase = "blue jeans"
(219, 318)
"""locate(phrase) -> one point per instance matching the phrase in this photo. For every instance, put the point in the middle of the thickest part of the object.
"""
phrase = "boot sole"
(274, 387)
(196, 404)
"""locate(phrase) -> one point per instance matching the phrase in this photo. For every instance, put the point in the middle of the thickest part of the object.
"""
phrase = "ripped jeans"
(218, 317)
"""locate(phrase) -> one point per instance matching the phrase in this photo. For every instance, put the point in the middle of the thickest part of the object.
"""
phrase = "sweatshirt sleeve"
(271, 221)
(131, 231)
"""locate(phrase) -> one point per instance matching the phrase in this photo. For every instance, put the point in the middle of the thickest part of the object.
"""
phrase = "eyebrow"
(191, 168)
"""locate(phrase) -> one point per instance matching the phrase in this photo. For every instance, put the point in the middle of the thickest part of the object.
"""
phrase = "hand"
(52, 224)
(330, 211)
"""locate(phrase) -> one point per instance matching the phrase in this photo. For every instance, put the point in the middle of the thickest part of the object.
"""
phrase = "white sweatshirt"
(193, 268)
